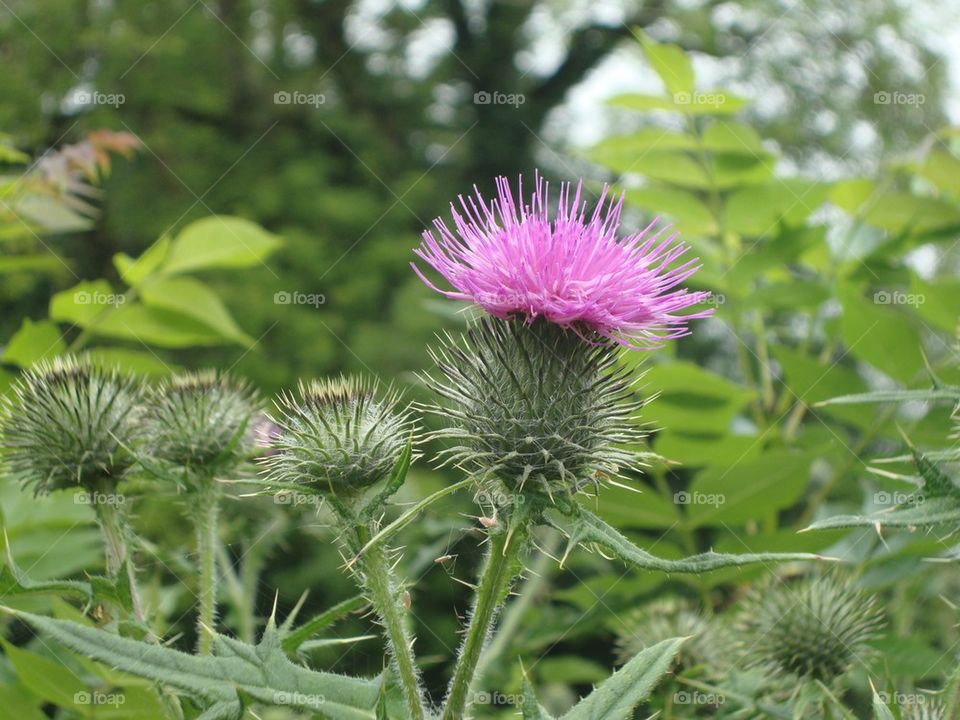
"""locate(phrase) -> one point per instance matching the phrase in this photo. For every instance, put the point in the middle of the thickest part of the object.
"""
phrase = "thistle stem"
(500, 566)
(379, 582)
(112, 518)
(206, 526)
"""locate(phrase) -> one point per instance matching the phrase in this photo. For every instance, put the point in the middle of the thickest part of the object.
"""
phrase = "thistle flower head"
(812, 629)
(534, 407)
(70, 423)
(570, 269)
(337, 436)
(199, 421)
(665, 619)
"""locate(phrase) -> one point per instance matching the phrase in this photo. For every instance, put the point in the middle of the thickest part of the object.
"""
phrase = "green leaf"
(943, 170)
(15, 583)
(44, 677)
(33, 342)
(619, 694)
(925, 512)
(692, 399)
(588, 528)
(671, 63)
(880, 709)
(757, 210)
(677, 168)
(732, 137)
(880, 336)
(155, 326)
(715, 102)
(85, 302)
(684, 208)
(811, 383)
(262, 672)
(135, 271)
(190, 297)
(619, 151)
(747, 490)
(46, 262)
(219, 241)
(896, 396)
(530, 709)
(140, 362)
(937, 302)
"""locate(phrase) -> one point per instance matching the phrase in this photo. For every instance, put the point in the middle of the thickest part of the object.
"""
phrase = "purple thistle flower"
(571, 270)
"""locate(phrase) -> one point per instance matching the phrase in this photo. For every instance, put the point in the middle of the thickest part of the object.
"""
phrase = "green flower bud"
(536, 406)
(199, 421)
(663, 620)
(70, 423)
(811, 629)
(336, 436)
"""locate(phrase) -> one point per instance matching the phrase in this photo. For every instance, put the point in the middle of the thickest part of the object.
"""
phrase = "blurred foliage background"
(803, 148)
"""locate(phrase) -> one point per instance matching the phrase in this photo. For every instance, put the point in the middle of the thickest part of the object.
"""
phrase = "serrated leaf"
(262, 672)
(897, 396)
(32, 342)
(296, 637)
(588, 528)
(529, 707)
(618, 695)
(929, 511)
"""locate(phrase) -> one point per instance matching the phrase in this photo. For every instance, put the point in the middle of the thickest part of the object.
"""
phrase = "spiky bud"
(70, 423)
(663, 620)
(337, 436)
(811, 629)
(540, 407)
(927, 710)
(198, 421)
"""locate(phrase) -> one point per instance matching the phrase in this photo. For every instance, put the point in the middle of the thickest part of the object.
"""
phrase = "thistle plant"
(70, 424)
(814, 630)
(197, 423)
(342, 440)
(539, 409)
(664, 619)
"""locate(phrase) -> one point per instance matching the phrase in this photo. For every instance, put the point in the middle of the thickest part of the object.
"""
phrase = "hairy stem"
(379, 582)
(112, 518)
(206, 527)
(500, 566)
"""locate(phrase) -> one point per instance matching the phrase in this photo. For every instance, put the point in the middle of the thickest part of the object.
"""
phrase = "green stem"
(206, 526)
(500, 567)
(378, 580)
(112, 518)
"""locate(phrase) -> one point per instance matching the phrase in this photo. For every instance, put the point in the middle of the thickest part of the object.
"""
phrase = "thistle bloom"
(571, 270)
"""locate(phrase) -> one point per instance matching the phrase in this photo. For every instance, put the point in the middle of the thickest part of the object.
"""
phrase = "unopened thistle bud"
(70, 423)
(199, 421)
(811, 629)
(536, 406)
(665, 619)
(337, 436)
